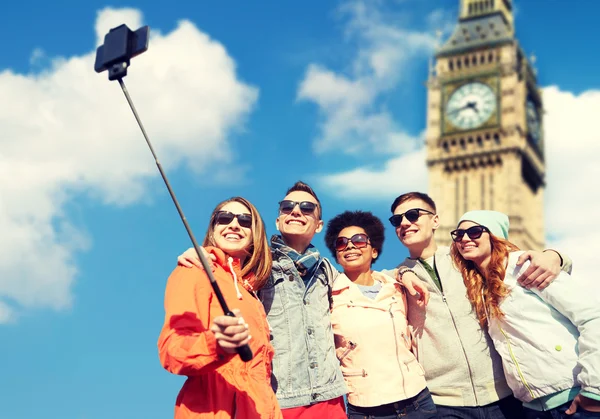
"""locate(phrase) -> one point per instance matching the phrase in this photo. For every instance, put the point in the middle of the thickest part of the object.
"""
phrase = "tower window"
(474, 60)
(491, 57)
(466, 61)
(451, 65)
(479, 141)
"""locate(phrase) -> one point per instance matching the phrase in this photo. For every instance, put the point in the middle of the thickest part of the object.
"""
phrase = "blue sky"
(239, 99)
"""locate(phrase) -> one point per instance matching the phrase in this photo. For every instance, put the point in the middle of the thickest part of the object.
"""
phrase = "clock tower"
(484, 138)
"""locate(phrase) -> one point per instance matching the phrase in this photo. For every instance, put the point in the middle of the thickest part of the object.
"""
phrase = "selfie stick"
(120, 45)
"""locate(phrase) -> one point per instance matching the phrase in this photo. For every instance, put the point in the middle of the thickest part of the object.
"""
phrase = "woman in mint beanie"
(549, 340)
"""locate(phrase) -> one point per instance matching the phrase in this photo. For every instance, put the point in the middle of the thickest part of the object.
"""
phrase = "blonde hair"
(486, 292)
(259, 258)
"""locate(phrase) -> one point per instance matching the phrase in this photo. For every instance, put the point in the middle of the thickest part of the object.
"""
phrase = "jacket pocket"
(415, 366)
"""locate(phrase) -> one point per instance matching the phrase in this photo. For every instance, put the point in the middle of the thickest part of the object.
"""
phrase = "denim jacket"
(305, 367)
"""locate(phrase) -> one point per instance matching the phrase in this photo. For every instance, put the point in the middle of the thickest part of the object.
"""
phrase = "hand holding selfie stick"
(120, 45)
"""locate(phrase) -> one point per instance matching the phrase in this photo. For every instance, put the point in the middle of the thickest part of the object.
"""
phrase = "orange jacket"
(219, 385)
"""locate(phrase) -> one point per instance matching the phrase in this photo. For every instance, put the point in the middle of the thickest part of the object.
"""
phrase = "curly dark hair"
(363, 219)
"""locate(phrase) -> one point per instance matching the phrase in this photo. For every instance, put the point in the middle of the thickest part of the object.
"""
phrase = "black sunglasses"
(474, 232)
(226, 217)
(306, 207)
(411, 215)
(359, 241)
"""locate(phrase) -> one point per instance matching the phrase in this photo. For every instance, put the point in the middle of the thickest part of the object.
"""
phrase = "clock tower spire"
(471, 9)
(484, 134)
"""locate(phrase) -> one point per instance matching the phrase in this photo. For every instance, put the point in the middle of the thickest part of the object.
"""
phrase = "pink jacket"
(373, 343)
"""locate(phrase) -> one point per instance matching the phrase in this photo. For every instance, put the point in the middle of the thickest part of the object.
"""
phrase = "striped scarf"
(305, 263)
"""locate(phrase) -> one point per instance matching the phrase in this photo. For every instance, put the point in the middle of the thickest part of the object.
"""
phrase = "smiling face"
(477, 250)
(353, 259)
(232, 238)
(418, 234)
(298, 229)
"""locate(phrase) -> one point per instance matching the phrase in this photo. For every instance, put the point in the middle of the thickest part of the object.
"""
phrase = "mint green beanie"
(495, 221)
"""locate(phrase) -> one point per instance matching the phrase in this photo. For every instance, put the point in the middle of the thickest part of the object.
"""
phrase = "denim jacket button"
(291, 277)
(315, 395)
(309, 330)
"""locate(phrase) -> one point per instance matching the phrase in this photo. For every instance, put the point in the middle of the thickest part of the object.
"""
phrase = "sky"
(238, 98)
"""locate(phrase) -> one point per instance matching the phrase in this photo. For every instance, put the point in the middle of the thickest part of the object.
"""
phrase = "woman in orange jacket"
(198, 341)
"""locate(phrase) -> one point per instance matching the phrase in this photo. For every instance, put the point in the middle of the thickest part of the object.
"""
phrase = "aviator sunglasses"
(226, 217)
(474, 233)
(359, 241)
(306, 207)
(411, 215)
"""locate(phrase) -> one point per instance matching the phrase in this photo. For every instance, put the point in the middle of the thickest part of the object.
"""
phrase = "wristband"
(559, 256)
(403, 271)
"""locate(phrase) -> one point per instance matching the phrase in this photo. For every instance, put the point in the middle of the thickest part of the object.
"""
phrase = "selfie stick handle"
(244, 351)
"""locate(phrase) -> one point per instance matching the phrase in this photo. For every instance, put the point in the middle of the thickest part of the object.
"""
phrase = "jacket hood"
(222, 260)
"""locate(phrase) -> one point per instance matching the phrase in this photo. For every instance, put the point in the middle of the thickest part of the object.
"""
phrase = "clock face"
(533, 121)
(471, 105)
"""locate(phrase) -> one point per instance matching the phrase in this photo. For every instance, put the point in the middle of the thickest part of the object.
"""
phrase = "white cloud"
(399, 175)
(353, 119)
(68, 130)
(37, 57)
(572, 137)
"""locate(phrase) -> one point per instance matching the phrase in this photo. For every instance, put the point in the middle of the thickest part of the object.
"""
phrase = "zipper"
(462, 347)
(445, 300)
(514, 359)
(350, 346)
(395, 336)
(396, 342)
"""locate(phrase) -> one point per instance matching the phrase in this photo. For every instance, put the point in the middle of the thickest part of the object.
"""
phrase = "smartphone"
(121, 44)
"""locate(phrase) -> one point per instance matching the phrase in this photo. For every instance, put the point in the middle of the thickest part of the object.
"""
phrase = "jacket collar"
(342, 281)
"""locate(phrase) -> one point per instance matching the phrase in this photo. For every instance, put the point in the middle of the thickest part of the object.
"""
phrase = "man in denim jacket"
(306, 375)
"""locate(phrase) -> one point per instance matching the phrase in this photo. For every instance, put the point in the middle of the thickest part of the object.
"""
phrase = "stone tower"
(485, 143)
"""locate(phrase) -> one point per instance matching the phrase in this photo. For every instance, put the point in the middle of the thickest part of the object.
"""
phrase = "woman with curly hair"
(549, 340)
(368, 316)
